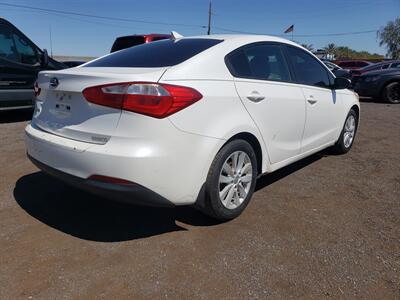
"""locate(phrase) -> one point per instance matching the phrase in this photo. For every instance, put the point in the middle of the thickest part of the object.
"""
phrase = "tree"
(330, 49)
(309, 47)
(390, 37)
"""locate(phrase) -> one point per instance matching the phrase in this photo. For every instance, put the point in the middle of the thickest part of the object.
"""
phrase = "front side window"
(7, 46)
(26, 52)
(308, 70)
(263, 62)
(163, 53)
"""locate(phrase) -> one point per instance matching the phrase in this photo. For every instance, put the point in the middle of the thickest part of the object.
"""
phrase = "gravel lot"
(326, 227)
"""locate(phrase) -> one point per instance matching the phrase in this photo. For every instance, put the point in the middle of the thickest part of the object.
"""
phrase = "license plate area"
(61, 106)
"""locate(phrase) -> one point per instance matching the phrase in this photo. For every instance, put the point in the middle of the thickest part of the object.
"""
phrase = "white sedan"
(192, 120)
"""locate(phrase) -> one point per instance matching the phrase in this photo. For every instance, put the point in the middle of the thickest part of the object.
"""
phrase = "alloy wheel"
(349, 131)
(235, 179)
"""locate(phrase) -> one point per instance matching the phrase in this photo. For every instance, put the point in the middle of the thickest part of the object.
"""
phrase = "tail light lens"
(36, 89)
(157, 100)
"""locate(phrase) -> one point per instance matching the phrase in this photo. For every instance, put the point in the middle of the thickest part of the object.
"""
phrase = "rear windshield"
(163, 53)
(126, 42)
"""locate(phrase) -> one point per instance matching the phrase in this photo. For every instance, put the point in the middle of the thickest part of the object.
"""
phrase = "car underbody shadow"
(90, 217)
(373, 100)
(268, 179)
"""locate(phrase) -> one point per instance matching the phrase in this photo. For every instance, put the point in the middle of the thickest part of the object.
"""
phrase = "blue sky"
(77, 35)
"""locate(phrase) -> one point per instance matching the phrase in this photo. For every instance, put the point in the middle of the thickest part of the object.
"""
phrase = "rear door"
(19, 65)
(276, 104)
(323, 105)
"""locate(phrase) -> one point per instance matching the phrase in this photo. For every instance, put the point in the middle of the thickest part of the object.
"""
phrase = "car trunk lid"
(62, 110)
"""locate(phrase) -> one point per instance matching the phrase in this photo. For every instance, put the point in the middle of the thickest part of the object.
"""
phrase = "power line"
(54, 11)
(299, 35)
(100, 17)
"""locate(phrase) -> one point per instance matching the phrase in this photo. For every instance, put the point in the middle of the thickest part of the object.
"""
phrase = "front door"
(323, 105)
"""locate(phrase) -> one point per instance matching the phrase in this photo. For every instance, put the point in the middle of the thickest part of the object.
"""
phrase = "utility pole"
(51, 43)
(209, 19)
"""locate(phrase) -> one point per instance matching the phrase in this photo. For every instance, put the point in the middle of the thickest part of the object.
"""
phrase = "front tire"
(346, 138)
(231, 180)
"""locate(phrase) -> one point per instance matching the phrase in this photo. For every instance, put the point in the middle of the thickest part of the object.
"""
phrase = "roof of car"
(245, 38)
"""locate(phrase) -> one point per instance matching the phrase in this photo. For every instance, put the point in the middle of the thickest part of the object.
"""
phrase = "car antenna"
(175, 35)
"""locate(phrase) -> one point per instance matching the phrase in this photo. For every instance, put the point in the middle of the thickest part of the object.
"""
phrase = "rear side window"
(262, 61)
(156, 54)
(308, 70)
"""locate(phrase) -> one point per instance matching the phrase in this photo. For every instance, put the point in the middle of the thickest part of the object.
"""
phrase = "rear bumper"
(166, 161)
(132, 193)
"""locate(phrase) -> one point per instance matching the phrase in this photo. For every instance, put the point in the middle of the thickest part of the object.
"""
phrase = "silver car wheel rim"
(235, 179)
(349, 131)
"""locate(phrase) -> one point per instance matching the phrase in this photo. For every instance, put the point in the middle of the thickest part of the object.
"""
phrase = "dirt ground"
(325, 227)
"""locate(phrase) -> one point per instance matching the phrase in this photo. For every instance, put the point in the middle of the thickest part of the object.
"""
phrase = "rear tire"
(231, 181)
(348, 134)
(391, 93)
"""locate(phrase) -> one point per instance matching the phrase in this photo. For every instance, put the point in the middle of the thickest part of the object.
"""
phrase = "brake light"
(36, 89)
(157, 100)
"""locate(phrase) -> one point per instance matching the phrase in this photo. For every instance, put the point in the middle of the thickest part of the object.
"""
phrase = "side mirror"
(45, 58)
(341, 83)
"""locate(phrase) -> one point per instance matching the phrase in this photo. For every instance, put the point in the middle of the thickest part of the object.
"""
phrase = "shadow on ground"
(373, 100)
(14, 116)
(89, 217)
(268, 179)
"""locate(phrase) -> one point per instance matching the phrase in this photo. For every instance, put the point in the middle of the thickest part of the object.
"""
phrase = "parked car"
(353, 64)
(73, 63)
(374, 67)
(124, 42)
(20, 62)
(338, 71)
(382, 84)
(193, 121)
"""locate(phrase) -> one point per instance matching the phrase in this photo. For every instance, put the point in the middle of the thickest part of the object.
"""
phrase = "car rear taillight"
(36, 89)
(157, 100)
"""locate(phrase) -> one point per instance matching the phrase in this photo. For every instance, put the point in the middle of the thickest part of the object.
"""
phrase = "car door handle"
(255, 97)
(311, 100)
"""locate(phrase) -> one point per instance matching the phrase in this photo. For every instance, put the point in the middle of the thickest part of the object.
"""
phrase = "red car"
(123, 42)
(353, 64)
(355, 74)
